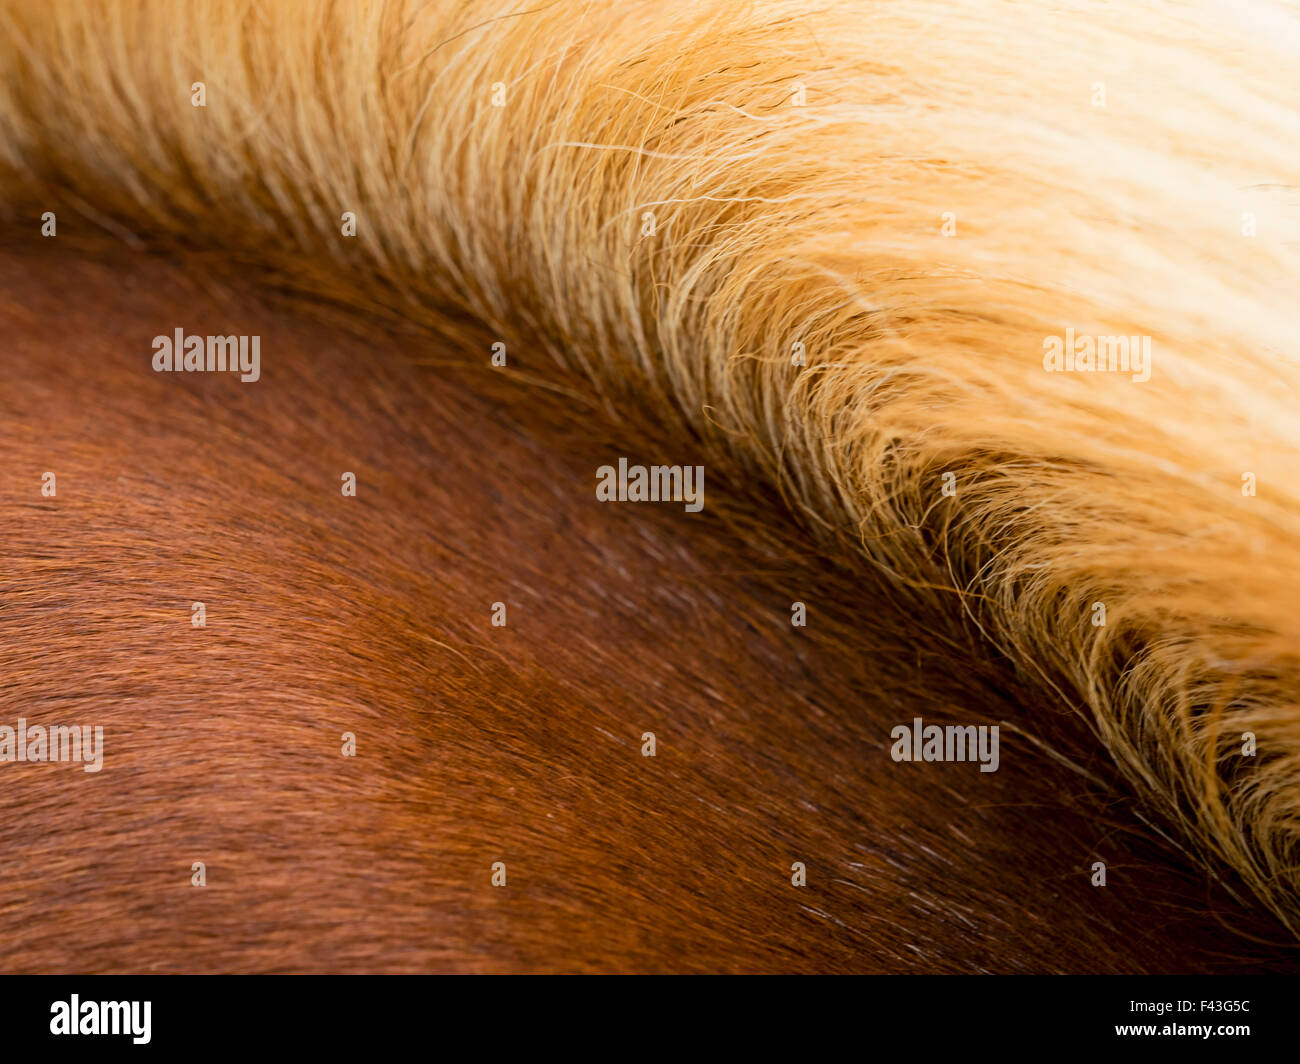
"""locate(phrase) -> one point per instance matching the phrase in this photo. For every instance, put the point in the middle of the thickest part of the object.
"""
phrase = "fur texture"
(656, 209)
(477, 744)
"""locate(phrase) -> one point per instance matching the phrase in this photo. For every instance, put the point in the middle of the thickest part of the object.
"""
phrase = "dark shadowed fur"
(477, 744)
